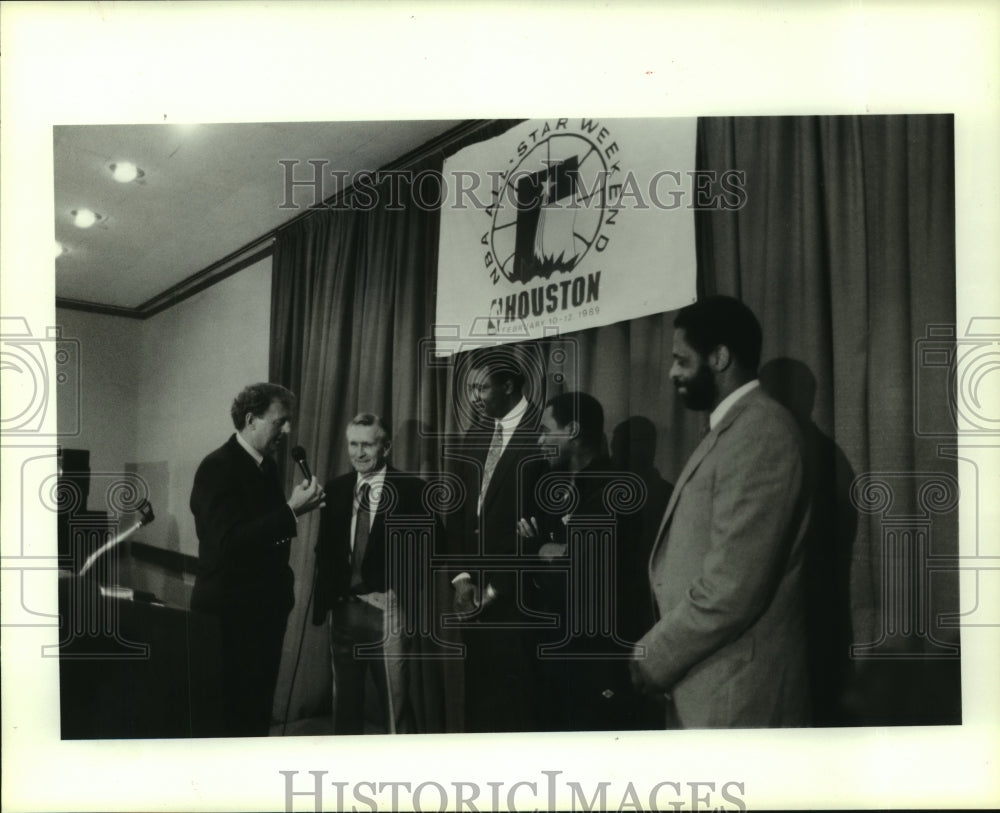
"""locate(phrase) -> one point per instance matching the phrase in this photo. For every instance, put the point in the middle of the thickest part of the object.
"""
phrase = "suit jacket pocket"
(720, 667)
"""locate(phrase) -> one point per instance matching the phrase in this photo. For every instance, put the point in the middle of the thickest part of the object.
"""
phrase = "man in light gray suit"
(728, 647)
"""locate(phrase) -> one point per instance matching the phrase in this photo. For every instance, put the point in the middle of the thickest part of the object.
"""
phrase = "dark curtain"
(352, 301)
(844, 249)
(350, 304)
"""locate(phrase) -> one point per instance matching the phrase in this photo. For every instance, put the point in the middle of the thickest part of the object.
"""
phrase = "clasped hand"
(549, 550)
(466, 595)
(307, 496)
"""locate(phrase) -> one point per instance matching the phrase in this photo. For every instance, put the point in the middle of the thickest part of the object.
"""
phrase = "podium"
(130, 666)
(135, 669)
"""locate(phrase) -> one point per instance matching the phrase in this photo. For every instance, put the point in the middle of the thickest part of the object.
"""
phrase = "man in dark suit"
(367, 574)
(728, 646)
(245, 525)
(585, 529)
(498, 460)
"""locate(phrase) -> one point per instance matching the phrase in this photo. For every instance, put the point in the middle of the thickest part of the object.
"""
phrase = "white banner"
(560, 225)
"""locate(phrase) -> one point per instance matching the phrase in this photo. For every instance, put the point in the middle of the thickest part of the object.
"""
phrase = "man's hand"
(528, 529)
(307, 496)
(640, 682)
(466, 595)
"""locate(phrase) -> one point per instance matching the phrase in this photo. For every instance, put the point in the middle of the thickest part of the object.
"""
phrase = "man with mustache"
(728, 647)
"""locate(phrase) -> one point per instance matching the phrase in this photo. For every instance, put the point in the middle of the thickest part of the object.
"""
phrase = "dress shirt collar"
(375, 480)
(510, 421)
(727, 403)
(258, 458)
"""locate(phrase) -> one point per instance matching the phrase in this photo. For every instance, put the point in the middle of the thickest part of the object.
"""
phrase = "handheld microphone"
(299, 456)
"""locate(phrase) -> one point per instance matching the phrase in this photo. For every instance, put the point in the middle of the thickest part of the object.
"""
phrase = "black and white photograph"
(620, 456)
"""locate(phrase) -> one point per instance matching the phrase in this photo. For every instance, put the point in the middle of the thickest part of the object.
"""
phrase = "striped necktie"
(492, 457)
(362, 530)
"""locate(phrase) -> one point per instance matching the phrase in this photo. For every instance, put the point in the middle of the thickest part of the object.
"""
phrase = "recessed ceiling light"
(125, 171)
(60, 249)
(85, 218)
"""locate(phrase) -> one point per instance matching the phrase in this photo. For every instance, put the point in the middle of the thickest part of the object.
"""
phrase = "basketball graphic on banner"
(550, 210)
(559, 225)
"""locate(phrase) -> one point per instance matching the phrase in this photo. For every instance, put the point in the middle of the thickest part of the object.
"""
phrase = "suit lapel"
(260, 480)
(702, 449)
(707, 444)
(378, 521)
(248, 466)
(345, 501)
(521, 437)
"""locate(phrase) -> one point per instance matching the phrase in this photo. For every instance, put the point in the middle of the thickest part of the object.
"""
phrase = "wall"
(196, 356)
(109, 387)
(155, 398)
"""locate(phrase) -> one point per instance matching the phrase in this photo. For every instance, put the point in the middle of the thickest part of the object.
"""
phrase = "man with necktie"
(728, 646)
(245, 525)
(499, 462)
(364, 568)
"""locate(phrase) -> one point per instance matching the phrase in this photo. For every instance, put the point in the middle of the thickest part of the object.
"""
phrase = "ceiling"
(207, 191)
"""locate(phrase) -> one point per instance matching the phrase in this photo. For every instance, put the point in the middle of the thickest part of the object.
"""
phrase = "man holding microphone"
(244, 525)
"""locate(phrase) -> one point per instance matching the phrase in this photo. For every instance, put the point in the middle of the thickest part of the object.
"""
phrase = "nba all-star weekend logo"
(551, 207)
(574, 224)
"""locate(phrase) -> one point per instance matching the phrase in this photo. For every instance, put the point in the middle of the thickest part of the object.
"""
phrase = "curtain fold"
(352, 301)
(845, 251)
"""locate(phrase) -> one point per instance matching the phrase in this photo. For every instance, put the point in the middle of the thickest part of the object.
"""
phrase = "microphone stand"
(145, 517)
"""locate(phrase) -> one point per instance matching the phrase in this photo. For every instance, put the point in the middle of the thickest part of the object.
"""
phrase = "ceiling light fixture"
(60, 249)
(85, 218)
(125, 171)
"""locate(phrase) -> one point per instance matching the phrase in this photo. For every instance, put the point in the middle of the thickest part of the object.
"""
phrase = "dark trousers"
(251, 655)
(500, 671)
(583, 681)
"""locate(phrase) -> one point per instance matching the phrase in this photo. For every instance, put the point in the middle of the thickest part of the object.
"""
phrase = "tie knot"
(364, 496)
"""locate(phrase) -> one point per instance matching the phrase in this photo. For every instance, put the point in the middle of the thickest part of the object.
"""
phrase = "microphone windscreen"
(299, 456)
